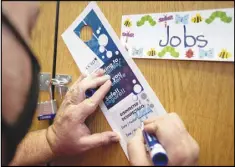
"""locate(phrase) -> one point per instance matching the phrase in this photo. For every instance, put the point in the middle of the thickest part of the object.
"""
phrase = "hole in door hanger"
(86, 33)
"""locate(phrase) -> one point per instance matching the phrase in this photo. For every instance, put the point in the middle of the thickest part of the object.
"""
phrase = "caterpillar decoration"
(219, 14)
(144, 19)
(169, 49)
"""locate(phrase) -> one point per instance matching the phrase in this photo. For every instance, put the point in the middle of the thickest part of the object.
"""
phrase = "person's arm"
(68, 135)
(34, 149)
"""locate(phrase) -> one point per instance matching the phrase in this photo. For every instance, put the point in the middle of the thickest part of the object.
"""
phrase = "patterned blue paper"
(114, 63)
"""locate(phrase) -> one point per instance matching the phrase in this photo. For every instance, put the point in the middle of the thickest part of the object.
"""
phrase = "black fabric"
(16, 132)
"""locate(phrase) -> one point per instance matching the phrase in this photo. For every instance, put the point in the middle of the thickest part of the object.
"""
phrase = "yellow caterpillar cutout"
(197, 19)
(152, 52)
(127, 23)
(224, 54)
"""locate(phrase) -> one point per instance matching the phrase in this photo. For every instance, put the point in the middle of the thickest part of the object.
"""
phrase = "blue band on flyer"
(124, 81)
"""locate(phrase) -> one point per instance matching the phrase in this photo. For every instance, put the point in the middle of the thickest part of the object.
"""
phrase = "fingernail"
(84, 75)
(109, 82)
(100, 71)
(107, 77)
(115, 138)
(138, 132)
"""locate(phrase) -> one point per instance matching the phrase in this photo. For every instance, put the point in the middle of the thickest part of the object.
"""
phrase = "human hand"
(181, 148)
(69, 134)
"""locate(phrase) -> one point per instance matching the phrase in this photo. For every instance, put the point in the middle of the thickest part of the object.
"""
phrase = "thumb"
(137, 152)
(98, 139)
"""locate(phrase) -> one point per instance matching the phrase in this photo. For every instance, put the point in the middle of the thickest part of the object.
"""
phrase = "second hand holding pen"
(155, 149)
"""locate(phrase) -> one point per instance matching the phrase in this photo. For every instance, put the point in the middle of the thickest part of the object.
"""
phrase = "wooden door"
(43, 46)
(202, 93)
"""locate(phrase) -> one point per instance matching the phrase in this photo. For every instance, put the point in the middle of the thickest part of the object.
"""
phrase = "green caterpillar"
(169, 49)
(218, 14)
(144, 19)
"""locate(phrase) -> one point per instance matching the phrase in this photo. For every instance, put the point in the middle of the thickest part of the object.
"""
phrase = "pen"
(89, 92)
(155, 149)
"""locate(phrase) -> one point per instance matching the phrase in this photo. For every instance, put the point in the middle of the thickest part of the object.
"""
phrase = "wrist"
(35, 145)
(50, 141)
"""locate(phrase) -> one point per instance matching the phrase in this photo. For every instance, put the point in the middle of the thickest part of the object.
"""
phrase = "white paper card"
(192, 35)
(130, 100)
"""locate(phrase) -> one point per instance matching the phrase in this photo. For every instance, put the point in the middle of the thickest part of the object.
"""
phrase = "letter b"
(187, 37)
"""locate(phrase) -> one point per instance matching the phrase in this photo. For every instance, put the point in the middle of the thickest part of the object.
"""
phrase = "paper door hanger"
(206, 35)
(130, 99)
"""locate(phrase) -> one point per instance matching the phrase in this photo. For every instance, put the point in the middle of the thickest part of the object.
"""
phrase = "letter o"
(175, 37)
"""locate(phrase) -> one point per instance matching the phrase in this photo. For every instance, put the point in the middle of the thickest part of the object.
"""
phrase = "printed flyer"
(130, 100)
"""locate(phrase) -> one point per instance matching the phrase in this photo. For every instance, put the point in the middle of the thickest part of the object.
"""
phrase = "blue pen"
(89, 92)
(157, 152)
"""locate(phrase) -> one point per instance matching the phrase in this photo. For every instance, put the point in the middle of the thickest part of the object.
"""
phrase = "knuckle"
(67, 116)
(183, 131)
(81, 86)
(195, 150)
(177, 118)
(69, 99)
(73, 95)
(91, 103)
(174, 115)
(155, 126)
(104, 140)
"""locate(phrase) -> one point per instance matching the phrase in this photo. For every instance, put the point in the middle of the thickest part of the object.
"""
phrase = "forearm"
(33, 150)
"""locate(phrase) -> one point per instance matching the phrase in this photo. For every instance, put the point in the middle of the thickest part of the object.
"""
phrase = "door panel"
(202, 93)
(43, 44)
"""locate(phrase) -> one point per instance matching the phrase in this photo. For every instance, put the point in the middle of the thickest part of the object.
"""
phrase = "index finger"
(99, 95)
(155, 118)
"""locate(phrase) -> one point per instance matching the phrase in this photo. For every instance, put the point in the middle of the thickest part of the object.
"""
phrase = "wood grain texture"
(202, 93)
(43, 45)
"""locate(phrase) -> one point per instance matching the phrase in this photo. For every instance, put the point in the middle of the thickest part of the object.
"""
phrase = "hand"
(68, 134)
(181, 148)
